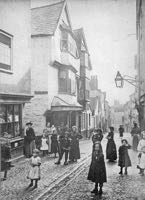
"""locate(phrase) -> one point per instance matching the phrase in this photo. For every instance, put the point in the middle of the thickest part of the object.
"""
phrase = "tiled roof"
(45, 19)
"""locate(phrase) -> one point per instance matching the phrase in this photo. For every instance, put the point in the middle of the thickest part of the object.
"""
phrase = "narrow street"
(15, 187)
(125, 187)
(70, 182)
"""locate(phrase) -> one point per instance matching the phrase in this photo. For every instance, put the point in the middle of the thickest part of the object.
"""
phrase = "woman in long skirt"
(135, 132)
(74, 153)
(54, 144)
(111, 153)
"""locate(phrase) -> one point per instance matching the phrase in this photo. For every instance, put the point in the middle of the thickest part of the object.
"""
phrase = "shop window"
(5, 51)
(10, 120)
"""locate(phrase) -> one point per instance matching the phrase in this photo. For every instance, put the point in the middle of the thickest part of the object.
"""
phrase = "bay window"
(68, 44)
(5, 51)
(67, 82)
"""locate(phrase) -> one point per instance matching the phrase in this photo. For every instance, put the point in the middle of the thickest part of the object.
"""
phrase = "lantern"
(119, 81)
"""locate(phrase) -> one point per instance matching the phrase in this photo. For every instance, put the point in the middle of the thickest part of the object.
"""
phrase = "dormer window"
(68, 44)
(5, 51)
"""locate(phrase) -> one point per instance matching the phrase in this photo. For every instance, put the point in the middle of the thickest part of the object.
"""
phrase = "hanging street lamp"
(119, 81)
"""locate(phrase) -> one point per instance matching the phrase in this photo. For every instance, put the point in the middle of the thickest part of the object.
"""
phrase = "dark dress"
(97, 138)
(121, 131)
(54, 144)
(124, 159)
(74, 153)
(97, 171)
(135, 133)
(111, 153)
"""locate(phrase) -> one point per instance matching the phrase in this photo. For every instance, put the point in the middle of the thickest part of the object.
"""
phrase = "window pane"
(2, 114)
(16, 113)
(10, 113)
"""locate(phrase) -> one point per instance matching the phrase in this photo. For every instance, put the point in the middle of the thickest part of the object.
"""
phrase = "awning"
(14, 98)
(59, 104)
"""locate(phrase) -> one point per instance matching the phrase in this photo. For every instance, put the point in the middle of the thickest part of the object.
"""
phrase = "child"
(34, 172)
(97, 171)
(141, 165)
(141, 144)
(64, 148)
(124, 159)
(44, 145)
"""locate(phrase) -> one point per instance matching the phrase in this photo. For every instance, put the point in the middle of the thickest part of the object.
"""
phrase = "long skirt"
(111, 153)
(135, 141)
(97, 172)
(29, 147)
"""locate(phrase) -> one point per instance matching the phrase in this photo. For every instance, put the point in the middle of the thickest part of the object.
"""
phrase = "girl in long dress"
(111, 153)
(34, 172)
(124, 159)
(97, 170)
(44, 145)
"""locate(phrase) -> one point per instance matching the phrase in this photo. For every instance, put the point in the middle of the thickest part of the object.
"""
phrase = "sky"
(110, 30)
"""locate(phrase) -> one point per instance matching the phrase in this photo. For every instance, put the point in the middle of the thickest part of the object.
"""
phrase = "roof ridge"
(61, 2)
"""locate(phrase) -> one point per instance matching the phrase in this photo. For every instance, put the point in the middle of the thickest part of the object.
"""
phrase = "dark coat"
(54, 144)
(97, 170)
(124, 159)
(121, 131)
(111, 153)
(30, 135)
(5, 156)
(74, 153)
(65, 143)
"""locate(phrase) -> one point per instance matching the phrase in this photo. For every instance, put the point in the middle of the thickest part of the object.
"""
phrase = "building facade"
(97, 102)
(83, 82)
(55, 69)
(15, 70)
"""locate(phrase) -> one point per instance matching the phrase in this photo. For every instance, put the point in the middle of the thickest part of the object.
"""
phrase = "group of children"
(97, 170)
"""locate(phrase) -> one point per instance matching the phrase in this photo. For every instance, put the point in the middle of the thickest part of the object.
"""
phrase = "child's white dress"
(34, 172)
(44, 145)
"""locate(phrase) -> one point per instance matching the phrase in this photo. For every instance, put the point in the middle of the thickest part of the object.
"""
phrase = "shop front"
(11, 108)
(65, 112)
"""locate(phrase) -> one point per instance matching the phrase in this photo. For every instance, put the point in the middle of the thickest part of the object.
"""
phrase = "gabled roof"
(45, 19)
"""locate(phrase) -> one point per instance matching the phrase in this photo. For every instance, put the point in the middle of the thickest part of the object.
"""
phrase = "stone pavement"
(15, 187)
(118, 187)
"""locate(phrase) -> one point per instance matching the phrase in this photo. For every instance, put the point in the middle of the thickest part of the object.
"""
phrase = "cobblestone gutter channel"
(65, 179)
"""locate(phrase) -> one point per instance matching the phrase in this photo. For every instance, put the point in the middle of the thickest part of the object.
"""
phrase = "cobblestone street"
(125, 187)
(15, 187)
(131, 186)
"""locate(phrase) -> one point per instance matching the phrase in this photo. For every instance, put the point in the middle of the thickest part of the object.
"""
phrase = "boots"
(36, 184)
(96, 188)
(125, 171)
(100, 191)
(31, 184)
